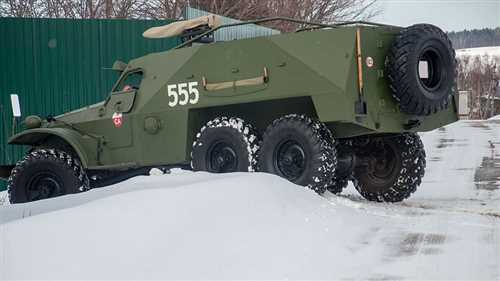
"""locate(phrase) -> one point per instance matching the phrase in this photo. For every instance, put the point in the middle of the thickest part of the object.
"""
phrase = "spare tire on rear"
(421, 69)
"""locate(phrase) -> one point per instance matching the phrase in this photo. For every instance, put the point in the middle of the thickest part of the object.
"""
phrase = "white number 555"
(183, 94)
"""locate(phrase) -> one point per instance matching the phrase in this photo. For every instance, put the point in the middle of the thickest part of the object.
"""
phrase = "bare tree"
(20, 8)
(125, 9)
(57, 9)
(231, 8)
(325, 11)
(479, 75)
(162, 9)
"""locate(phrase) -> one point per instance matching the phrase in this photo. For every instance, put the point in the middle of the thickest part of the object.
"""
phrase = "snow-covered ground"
(256, 226)
(478, 58)
(491, 51)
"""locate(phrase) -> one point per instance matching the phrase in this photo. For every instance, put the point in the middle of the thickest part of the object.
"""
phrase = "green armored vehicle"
(319, 107)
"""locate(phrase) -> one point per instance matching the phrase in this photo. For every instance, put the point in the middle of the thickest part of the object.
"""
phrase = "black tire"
(46, 173)
(337, 182)
(225, 145)
(394, 170)
(298, 149)
(416, 95)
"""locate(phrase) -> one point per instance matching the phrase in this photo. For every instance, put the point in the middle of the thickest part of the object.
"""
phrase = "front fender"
(37, 136)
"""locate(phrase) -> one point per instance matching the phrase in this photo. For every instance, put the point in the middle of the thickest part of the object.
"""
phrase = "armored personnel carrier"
(319, 107)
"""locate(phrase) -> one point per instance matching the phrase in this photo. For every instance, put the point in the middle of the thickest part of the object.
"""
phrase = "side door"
(117, 111)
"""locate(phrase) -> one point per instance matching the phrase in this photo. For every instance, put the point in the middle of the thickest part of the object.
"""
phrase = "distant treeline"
(475, 38)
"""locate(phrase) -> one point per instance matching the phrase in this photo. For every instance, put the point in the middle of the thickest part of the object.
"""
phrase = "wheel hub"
(290, 160)
(43, 185)
(382, 163)
(222, 158)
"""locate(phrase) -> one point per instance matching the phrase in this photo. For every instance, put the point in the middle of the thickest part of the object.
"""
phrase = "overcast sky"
(450, 15)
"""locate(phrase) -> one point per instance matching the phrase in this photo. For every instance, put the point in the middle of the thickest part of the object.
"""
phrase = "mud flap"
(5, 171)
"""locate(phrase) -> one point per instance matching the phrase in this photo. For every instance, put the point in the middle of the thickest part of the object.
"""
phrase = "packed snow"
(3, 198)
(186, 225)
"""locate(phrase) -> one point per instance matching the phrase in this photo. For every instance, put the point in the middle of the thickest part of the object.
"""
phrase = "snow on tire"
(46, 173)
(337, 182)
(225, 145)
(337, 185)
(300, 150)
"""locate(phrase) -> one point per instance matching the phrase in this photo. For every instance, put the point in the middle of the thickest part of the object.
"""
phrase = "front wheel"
(46, 173)
(225, 145)
(393, 167)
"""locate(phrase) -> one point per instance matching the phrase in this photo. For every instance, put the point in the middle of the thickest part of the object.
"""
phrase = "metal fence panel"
(56, 65)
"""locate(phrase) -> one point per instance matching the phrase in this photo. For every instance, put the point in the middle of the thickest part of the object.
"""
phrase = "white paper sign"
(16, 106)
(423, 69)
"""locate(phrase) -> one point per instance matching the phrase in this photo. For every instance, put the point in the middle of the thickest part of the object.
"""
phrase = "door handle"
(260, 80)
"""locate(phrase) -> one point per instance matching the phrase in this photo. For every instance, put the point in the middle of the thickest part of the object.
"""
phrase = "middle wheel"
(225, 145)
(296, 148)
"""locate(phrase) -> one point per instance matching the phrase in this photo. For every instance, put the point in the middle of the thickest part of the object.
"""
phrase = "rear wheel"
(393, 167)
(296, 148)
(46, 173)
(225, 145)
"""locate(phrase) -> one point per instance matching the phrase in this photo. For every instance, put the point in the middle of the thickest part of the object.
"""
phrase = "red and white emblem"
(117, 119)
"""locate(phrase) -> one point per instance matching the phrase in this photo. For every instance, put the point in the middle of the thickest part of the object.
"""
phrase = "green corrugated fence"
(57, 65)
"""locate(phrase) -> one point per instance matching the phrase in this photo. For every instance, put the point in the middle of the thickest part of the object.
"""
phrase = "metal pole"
(14, 123)
(6, 131)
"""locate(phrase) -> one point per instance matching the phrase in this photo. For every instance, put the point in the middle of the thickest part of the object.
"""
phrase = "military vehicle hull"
(337, 76)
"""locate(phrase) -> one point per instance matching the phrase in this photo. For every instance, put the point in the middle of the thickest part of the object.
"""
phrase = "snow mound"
(4, 198)
(254, 226)
(186, 225)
